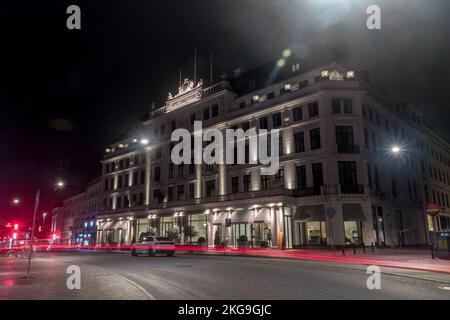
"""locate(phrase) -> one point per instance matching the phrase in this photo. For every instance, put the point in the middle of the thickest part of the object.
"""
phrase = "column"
(148, 175)
(290, 176)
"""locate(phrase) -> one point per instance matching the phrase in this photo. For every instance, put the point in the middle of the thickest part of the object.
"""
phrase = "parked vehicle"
(152, 245)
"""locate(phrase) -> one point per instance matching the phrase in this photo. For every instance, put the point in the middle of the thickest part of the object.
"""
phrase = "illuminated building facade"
(354, 168)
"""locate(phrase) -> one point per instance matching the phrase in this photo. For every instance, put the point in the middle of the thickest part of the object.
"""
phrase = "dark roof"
(270, 73)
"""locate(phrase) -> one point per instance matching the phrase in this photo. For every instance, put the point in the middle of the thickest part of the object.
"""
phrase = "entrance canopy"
(353, 212)
(310, 213)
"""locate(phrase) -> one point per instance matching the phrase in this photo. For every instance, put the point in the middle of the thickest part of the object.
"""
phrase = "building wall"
(375, 196)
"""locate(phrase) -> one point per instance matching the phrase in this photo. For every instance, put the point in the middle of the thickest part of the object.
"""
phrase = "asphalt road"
(224, 277)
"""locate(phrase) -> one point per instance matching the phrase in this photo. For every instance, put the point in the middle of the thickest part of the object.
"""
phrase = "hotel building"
(354, 167)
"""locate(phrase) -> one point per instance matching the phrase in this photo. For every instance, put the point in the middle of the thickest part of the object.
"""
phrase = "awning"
(353, 211)
(310, 213)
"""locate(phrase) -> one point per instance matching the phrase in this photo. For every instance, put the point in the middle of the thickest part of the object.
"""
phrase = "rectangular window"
(297, 113)
(265, 182)
(141, 199)
(314, 136)
(170, 194)
(276, 120)
(157, 173)
(263, 123)
(242, 105)
(206, 114)
(313, 109)
(120, 182)
(180, 192)
(126, 180)
(347, 174)
(192, 118)
(299, 141)
(215, 111)
(317, 177)
(142, 177)
(170, 173)
(191, 190)
(336, 105)
(366, 139)
(210, 187)
(301, 177)
(135, 178)
(235, 185)
(157, 196)
(369, 175)
(344, 138)
(181, 170)
(247, 181)
(348, 106)
(270, 95)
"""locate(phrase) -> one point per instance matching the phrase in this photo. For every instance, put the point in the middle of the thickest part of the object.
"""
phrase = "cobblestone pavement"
(48, 281)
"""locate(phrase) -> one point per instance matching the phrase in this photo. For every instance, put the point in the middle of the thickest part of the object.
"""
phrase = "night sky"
(65, 94)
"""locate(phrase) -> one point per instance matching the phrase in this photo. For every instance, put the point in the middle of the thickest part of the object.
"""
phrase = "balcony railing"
(306, 192)
(348, 149)
(352, 189)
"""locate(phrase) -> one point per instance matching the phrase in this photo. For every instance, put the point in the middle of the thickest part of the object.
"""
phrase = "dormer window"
(336, 76)
(350, 74)
(287, 87)
(324, 74)
(108, 150)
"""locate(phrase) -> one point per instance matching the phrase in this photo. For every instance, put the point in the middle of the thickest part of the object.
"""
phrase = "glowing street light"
(395, 149)
(144, 141)
(16, 201)
(60, 184)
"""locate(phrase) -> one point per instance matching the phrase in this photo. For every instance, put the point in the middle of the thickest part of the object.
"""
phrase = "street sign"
(432, 209)
(331, 212)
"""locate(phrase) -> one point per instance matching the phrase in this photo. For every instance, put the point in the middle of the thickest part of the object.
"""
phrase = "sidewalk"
(48, 281)
(394, 258)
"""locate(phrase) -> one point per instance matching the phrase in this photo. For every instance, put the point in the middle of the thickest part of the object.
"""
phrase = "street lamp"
(144, 141)
(16, 201)
(60, 184)
(395, 149)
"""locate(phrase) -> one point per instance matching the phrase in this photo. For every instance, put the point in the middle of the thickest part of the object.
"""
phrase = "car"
(151, 245)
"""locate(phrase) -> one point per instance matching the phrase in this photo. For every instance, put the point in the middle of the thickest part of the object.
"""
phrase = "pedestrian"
(269, 238)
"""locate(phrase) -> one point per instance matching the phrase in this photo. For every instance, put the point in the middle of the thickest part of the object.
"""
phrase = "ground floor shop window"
(239, 230)
(197, 228)
(315, 232)
(109, 236)
(352, 232)
(147, 227)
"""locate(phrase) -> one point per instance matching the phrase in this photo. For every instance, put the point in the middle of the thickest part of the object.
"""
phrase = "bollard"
(373, 247)
(364, 248)
(354, 250)
(343, 251)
